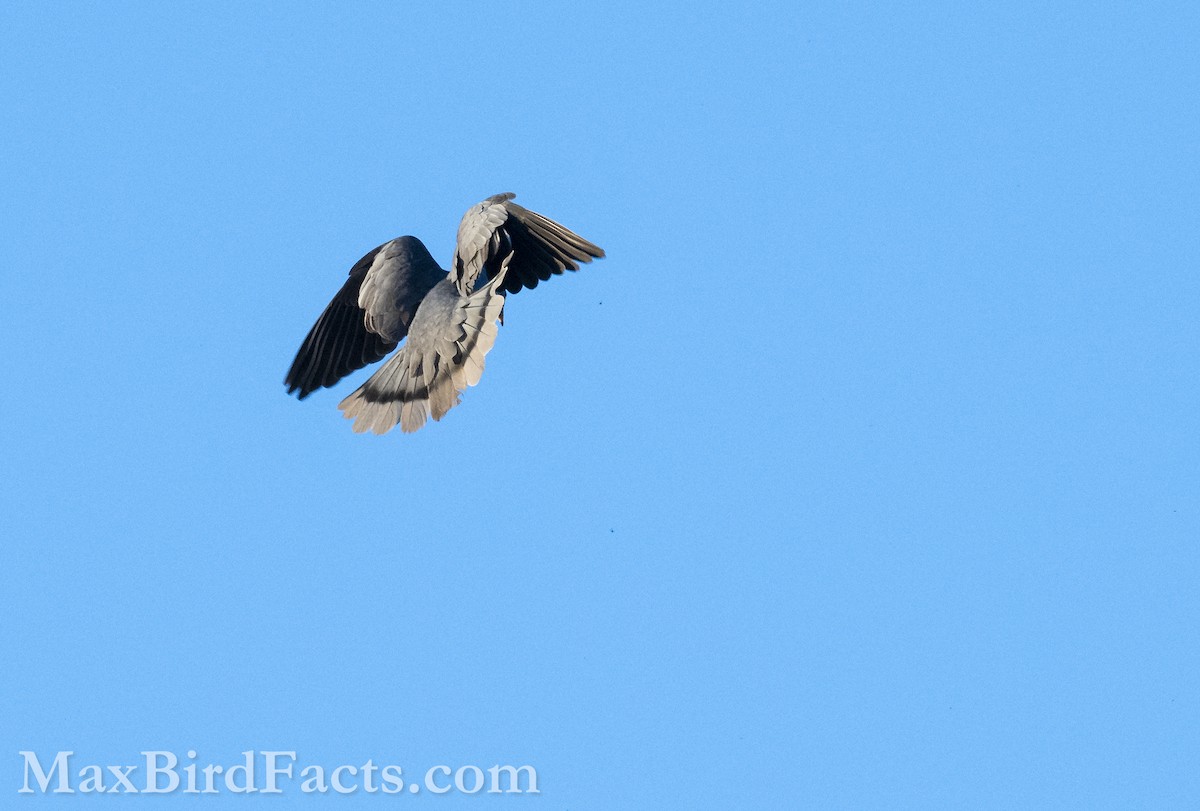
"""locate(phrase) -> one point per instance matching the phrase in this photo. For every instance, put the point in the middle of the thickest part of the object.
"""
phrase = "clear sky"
(863, 472)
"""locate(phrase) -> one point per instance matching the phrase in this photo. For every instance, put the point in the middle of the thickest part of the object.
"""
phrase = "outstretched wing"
(539, 247)
(446, 346)
(368, 316)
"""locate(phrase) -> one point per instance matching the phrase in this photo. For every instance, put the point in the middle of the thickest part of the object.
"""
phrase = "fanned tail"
(427, 376)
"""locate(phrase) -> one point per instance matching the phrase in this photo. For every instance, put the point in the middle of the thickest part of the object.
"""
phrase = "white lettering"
(273, 771)
(210, 770)
(247, 769)
(461, 784)
(190, 771)
(314, 783)
(163, 776)
(94, 782)
(368, 770)
(153, 770)
(336, 779)
(122, 774)
(514, 779)
(433, 786)
(393, 776)
(60, 765)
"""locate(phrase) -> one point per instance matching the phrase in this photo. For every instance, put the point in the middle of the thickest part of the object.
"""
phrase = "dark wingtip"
(295, 388)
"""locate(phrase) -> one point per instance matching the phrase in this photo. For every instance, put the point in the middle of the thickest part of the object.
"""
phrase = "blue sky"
(862, 472)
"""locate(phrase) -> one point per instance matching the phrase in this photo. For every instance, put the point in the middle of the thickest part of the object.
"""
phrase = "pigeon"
(448, 321)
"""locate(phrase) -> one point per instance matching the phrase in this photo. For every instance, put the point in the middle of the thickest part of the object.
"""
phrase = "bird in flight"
(398, 291)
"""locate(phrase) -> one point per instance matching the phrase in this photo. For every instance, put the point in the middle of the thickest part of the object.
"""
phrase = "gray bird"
(398, 290)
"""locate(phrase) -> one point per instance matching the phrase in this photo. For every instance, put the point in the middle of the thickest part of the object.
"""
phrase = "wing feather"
(498, 228)
(367, 318)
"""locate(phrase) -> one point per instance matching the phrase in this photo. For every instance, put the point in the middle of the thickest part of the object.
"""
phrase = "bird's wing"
(497, 227)
(444, 354)
(368, 316)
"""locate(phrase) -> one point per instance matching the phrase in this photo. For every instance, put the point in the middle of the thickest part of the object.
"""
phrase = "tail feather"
(426, 377)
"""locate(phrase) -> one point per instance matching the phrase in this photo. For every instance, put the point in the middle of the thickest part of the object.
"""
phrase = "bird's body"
(398, 291)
